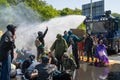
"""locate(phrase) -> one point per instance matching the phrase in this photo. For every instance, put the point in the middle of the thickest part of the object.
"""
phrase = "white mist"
(26, 35)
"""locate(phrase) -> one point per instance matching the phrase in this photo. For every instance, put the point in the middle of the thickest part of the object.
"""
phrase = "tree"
(45, 11)
(66, 11)
(77, 11)
(3, 3)
(116, 15)
(48, 12)
(82, 27)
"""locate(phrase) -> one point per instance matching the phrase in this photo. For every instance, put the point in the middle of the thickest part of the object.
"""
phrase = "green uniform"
(60, 46)
(68, 63)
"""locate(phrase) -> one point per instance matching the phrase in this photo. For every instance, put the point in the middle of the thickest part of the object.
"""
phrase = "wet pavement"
(91, 72)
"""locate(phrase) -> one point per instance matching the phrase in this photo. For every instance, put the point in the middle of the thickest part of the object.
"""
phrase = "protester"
(60, 46)
(95, 43)
(44, 70)
(13, 71)
(19, 68)
(81, 49)
(27, 62)
(7, 45)
(53, 59)
(102, 37)
(30, 70)
(73, 40)
(101, 54)
(68, 63)
(88, 47)
(39, 42)
(65, 36)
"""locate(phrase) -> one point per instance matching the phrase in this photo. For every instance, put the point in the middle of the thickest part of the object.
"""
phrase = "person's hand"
(14, 36)
(84, 36)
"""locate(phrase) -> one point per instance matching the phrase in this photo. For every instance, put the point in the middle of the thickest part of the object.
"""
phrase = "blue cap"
(69, 32)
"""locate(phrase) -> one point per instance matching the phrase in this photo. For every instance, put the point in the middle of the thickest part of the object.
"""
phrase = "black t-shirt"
(45, 71)
(26, 64)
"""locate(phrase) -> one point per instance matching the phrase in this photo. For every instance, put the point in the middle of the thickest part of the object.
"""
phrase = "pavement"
(91, 72)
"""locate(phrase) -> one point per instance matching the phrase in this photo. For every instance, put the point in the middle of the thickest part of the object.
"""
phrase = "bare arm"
(45, 32)
(34, 75)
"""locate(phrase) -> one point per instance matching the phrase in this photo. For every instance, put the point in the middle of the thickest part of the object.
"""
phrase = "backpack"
(37, 42)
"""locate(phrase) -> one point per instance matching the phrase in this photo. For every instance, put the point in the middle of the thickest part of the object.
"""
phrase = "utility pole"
(91, 16)
(91, 9)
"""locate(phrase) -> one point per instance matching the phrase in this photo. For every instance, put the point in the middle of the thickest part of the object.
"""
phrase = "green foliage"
(116, 15)
(13, 2)
(82, 27)
(45, 11)
(48, 12)
(77, 11)
(68, 11)
(3, 3)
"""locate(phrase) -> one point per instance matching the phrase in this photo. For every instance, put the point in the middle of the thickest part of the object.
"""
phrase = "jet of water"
(26, 35)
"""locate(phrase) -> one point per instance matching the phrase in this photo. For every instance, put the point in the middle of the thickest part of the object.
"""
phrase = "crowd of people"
(56, 63)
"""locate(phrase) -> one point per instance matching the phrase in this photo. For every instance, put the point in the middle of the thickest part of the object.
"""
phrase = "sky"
(112, 5)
